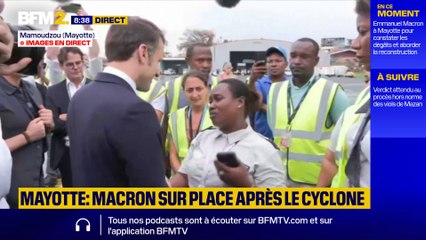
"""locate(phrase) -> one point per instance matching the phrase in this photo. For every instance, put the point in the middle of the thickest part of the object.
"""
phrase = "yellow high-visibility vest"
(155, 90)
(310, 136)
(350, 117)
(177, 129)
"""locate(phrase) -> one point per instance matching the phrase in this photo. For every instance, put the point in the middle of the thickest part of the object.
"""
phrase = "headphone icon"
(77, 226)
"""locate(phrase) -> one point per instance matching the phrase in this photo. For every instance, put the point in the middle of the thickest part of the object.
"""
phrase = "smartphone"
(71, 8)
(228, 158)
(261, 63)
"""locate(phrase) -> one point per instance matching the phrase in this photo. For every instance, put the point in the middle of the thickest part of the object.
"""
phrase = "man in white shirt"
(57, 99)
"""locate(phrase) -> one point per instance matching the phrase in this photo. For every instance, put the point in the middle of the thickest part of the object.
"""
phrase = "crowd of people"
(119, 127)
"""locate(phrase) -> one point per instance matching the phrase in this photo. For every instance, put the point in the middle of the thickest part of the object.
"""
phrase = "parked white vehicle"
(327, 71)
(169, 71)
(338, 71)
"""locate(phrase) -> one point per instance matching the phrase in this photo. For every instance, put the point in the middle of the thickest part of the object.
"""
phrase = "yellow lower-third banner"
(194, 198)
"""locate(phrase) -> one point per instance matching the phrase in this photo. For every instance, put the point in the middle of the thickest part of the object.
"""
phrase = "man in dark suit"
(115, 136)
(57, 99)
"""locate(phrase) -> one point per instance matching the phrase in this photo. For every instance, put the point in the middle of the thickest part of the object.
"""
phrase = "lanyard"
(290, 101)
(191, 134)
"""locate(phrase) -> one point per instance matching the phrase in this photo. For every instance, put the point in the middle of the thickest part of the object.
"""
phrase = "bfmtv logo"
(41, 18)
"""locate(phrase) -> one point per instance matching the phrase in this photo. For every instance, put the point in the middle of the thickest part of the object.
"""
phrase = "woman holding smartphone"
(258, 161)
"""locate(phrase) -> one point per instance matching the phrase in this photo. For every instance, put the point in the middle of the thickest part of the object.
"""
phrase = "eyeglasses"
(72, 64)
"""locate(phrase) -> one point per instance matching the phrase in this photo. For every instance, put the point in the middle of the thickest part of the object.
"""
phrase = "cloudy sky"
(250, 19)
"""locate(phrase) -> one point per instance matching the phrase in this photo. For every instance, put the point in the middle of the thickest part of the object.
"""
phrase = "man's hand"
(46, 115)
(6, 42)
(83, 12)
(15, 67)
(234, 176)
(63, 117)
(6, 48)
(57, 16)
(257, 71)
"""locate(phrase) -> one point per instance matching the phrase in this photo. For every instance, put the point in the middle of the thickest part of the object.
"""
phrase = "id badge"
(286, 139)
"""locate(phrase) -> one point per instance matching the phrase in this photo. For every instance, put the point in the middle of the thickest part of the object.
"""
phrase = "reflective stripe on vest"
(309, 135)
(350, 117)
(363, 96)
(173, 90)
(175, 95)
(157, 91)
(177, 123)
(153, 93)
(215, 81)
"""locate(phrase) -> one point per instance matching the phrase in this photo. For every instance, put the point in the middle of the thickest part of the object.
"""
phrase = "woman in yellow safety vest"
(347, 161)
(187, 122)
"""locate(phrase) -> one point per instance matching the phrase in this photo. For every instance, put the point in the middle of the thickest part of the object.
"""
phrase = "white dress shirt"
(5, 171)
(72, 88)
(121, 74)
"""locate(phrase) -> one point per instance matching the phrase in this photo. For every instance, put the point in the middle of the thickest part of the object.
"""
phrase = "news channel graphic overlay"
(151, 225)
(398, 99)
(59, 18)
(398, 34)
(131, 225)
(184, 198)
(55, 38)
(93, 20)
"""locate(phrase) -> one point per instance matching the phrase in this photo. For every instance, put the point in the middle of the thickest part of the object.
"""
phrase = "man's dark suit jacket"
(57, 100)
(115, 138)
(27, 160)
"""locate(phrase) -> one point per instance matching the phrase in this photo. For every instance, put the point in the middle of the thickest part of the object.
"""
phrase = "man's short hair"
(363, 7)
(123, 40)
(190, 49)
(63, 53)
(314, 43)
